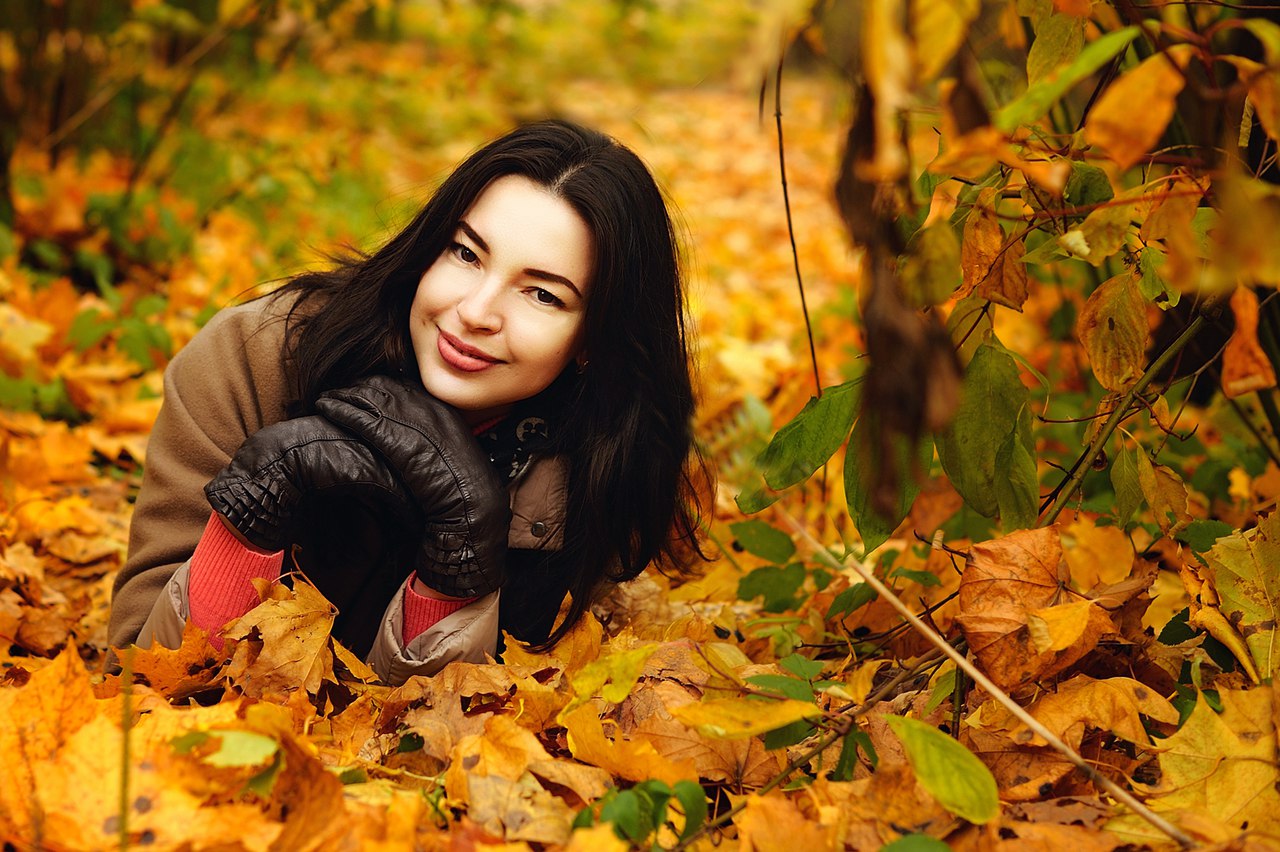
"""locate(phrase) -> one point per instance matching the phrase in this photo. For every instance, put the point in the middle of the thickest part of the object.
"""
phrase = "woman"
(501, 389)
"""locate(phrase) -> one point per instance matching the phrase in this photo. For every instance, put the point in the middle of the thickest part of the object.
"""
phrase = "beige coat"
(227, 383)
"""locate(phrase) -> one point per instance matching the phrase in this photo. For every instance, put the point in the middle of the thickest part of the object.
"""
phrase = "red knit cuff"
(219, 587)
(421, 612)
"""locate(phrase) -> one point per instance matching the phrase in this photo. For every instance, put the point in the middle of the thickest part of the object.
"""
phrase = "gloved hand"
(430, 446)
(263, 492)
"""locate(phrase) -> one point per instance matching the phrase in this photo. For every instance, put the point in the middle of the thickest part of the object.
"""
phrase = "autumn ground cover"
(1096, 542)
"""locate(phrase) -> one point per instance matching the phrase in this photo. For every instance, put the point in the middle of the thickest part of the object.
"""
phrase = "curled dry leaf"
(1245, 366)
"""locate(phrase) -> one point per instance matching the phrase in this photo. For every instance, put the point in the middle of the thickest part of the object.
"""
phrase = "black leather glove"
(430, 446)
(283, 467)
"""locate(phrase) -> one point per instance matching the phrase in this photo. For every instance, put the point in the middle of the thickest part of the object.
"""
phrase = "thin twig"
(786, 203)
(1118, 792)
(1065, 489)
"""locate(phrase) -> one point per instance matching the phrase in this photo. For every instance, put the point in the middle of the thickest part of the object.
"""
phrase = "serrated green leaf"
(809, 440)
(1041, 96)
(861, 461)
(950, 772)
(993, 397)
(763, 540)
(1201, 535)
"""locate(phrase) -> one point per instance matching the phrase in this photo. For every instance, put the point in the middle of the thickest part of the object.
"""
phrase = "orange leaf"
(1133, 112)
(1245, 366)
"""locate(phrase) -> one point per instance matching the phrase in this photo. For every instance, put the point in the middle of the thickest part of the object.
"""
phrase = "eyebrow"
(540, 274)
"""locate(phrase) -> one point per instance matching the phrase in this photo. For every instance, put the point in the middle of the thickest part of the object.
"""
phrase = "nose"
(478, 308)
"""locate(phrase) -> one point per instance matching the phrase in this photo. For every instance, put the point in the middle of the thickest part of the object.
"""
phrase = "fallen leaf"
(1005, 581)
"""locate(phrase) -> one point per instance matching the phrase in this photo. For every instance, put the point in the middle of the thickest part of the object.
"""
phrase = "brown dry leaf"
(636, 759)
(580, 646)
(283, 643)
(1155, 85)
(1245, 366)
(1006, 581)
(494, 774)
(1112, 326)
(983, 239)
(1166, 495)
(775, 824)
(873, 811)
(193, 667)
(744, 764)
(1095, 554)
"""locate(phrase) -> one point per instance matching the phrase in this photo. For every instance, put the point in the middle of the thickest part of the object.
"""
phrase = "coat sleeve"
(223, 386)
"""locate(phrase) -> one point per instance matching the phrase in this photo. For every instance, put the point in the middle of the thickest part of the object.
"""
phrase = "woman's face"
(500, 313)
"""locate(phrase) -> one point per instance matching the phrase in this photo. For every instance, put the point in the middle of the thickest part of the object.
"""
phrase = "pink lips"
(460, 356)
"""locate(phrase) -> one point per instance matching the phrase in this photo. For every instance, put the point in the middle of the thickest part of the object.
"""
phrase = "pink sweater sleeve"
(219, 588)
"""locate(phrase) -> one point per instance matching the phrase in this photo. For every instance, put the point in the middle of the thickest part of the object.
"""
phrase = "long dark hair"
(626, 434)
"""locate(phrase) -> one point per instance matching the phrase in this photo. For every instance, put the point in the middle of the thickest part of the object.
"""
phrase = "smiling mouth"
(461, 356)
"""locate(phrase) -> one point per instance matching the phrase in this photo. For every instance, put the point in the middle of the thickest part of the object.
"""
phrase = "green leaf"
(1152, 284)
(624, 812)
(787, 687)
(1059, 40)
(924, 578)
(848, 760)
(763, 540)
(1125, 484)
(1039, 97)
(930, 269)
(950, 772)
(916, 843)
(1086, 186)
(811, 438)
(788, 735)
(993, 397)
(857, 595)
(1202, 535)
(861, 461)
(693, 801)
(88, 328)
(778, 586)
(236, 748)
(802, 667)
(1018, 487)
(943, 688)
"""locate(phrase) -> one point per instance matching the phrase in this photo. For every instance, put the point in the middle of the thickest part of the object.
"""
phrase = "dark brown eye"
(545, 297)
(466, 255)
